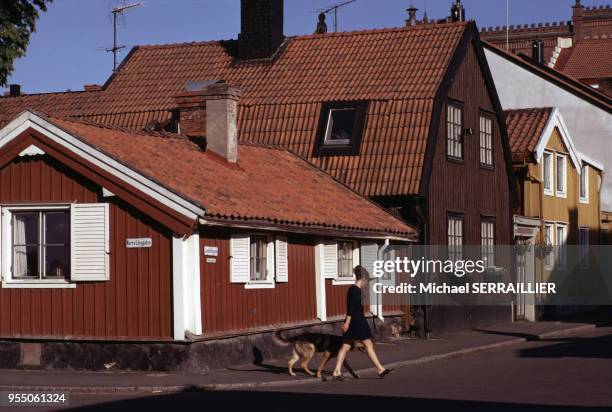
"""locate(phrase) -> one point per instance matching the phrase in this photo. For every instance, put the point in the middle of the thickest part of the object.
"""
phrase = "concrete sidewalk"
(396, 353)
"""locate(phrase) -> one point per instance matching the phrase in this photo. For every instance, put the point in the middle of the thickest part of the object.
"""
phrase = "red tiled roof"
(267, 184)
(61, 104)
(525, 126)
(588, 59)
(397, 70)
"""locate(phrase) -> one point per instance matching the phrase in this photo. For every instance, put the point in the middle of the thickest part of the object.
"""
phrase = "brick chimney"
(92, 87)
(577, 16)
(210, 109)
(15, 90)
(261, 28)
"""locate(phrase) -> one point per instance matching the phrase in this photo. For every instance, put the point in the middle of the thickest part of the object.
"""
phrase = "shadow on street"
(572, 347)
(281, 401)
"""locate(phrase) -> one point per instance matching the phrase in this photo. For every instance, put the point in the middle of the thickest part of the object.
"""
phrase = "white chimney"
(211, 108)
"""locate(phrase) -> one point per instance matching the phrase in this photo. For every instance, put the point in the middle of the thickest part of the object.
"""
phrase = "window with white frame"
(584, 183)
(486, 140)
(561, 175)
(54, 245)
(41, 244)
(388, 255)
(583, 241)
(487, 240)
(455, 237)
(336, 260)
(345, 259)
(549, 240)
(340, 126)
(454, 130)
(258, 260)
(547, 173)
(560, 244)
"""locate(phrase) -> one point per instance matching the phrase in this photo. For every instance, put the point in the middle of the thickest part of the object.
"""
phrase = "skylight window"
(340, 128)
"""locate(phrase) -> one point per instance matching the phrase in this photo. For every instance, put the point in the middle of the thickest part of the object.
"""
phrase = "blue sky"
(67, 50)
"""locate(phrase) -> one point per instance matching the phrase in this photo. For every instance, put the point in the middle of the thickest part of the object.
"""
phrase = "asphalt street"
(566, 373)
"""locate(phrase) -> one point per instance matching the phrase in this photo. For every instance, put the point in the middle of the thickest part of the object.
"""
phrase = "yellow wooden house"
(557, 194)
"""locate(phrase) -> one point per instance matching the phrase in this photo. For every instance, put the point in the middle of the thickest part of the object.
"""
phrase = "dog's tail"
(279, 339)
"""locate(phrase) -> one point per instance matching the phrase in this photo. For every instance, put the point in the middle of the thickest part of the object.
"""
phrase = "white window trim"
(270, 282)
(6, 244)
(339, 281)
(551, 172)
(551, 242)
(456, 145)
(584, 172)
(486, 221)
(339, 142)
(561, 193)
(561, 261)
(483, 150)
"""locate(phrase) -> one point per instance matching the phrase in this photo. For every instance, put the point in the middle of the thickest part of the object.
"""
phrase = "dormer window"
(340, 128)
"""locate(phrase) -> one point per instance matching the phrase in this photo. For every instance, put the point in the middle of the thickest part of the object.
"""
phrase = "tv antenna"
(117, 11)
(334, 9)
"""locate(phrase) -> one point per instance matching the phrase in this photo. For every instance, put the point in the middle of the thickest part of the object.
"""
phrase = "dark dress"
(358, 328)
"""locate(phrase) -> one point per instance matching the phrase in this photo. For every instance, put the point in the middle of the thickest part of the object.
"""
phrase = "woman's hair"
(361, 273)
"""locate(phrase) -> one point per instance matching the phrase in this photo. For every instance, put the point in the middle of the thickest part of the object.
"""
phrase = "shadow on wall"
(579, 286)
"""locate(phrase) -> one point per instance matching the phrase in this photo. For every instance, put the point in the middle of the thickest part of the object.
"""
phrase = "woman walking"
(356, 328)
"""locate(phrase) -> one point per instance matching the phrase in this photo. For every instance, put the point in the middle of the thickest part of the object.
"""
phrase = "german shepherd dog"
(306, 345)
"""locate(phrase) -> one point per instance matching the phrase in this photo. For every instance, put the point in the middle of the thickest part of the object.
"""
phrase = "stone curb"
(303, 381)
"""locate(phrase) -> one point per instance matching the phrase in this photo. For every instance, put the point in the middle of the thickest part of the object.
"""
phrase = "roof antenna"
(118, 10)
(334, 9)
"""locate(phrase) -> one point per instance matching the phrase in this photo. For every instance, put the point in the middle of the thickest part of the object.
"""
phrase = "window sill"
(549, 193)
(485, 166)
(259, 285)
(453, 159)
(562, 195)
(584, 201)
(37, 285)
(337, 143)
(341, 282)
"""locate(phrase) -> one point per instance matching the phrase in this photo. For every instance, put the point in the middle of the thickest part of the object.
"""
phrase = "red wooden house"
(115, 235)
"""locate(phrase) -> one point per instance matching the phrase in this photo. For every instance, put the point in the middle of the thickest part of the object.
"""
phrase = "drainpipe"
(422, 223)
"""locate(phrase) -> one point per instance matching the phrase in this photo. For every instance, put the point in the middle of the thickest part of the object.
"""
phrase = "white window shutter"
(282, 259)
(270, 260)
(240, 259)
(89, 242)
(330, 259)
(369, 254)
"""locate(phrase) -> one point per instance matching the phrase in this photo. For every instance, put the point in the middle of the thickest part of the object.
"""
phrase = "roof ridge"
(49, 93)
(123, 129)
(382, 30)
(316, 36)
(541, 108)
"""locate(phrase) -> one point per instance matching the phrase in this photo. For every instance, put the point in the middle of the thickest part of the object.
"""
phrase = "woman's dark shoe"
(339, 378)
(385, 373)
